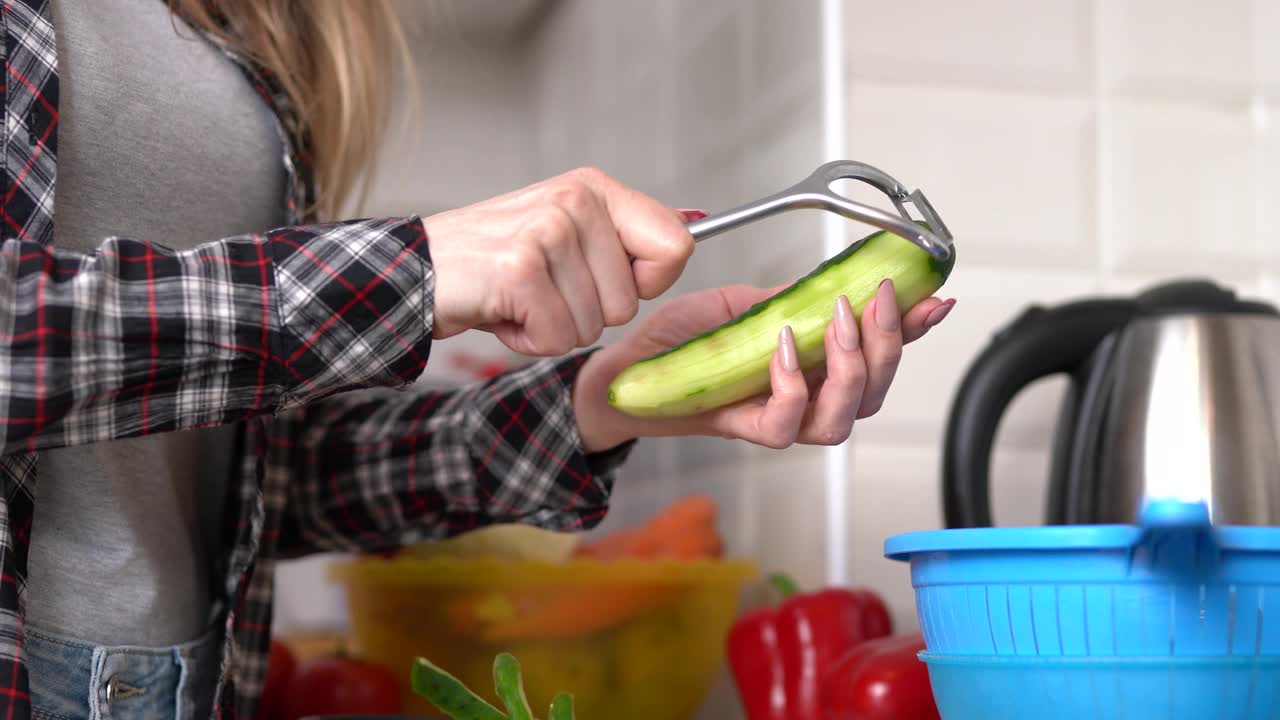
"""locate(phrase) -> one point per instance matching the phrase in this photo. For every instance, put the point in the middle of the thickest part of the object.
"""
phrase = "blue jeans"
(72, 680)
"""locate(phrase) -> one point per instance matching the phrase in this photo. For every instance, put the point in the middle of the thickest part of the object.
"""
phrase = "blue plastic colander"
(1160, 619)
(1005, 688)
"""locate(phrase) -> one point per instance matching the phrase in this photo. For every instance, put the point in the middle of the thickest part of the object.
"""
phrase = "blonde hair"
(337, 62)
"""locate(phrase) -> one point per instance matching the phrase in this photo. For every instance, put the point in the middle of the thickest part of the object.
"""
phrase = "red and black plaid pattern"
(373, 470)
(138, 339)
(306, 337)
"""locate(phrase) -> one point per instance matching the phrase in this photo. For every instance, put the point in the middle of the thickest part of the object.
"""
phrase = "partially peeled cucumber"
(731, 362)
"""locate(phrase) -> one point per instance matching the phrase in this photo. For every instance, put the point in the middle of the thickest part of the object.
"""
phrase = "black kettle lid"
(1196, 296)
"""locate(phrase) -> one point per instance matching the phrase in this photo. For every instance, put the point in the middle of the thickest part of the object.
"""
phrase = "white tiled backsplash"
(1073, 146)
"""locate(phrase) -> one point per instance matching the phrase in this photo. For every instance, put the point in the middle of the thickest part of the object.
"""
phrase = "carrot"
(609, 547)
(553, 613)
(690, 544)
(557, 613)
(683, 529)
(686, 511)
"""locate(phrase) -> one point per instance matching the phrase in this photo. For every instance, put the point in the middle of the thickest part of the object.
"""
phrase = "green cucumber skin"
(731, 362)
(449, 694)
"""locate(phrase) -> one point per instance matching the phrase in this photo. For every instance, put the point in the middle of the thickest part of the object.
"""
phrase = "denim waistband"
(74, 680)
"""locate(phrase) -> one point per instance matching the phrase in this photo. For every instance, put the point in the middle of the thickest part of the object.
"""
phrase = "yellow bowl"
(632, 639)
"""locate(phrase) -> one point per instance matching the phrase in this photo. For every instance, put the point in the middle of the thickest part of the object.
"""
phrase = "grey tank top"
(160, 138)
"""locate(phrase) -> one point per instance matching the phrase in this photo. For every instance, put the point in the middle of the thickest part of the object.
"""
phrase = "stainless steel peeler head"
(815, 192)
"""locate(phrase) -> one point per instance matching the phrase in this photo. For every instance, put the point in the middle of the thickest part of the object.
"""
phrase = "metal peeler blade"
(815, 192)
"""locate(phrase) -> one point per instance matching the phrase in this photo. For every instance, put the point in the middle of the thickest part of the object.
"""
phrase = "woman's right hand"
(548, 267)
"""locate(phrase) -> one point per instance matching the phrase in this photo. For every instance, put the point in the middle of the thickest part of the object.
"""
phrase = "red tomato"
(338, 684)
(880, 679)
(280, 666)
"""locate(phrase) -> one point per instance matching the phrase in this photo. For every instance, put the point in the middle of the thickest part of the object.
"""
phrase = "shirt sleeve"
(369, 471)
(136, 338)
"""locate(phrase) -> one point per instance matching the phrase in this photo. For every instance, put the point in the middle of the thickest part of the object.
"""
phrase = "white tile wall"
(635, 31)
(711, 99)
(1126, 143)
(1185, 186)
(471, 137)
(1038, 46)
(1255, 283)
(699, 16)
(1178, 47)
(782, 46)
(1266, 158)
(1266, 52)
(1012, 172)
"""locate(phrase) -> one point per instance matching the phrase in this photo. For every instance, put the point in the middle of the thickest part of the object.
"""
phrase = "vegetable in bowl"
(461, 703)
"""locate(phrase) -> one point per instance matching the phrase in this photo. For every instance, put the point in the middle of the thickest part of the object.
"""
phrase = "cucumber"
(731, 362)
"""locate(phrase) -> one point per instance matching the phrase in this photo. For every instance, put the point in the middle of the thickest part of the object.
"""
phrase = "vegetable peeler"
(815, 192)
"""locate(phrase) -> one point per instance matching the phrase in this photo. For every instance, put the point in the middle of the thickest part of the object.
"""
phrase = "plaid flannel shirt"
(306, 337)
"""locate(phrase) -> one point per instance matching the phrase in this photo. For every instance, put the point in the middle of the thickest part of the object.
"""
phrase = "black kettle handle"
(1039, 343)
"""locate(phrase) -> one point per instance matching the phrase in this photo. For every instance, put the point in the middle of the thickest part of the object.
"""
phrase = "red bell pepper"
(881, 679)
(780, 655)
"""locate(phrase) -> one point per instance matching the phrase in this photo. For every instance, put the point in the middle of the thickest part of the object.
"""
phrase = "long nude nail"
(939, 313)
(787, 349)
(887, 307)
(846, 328)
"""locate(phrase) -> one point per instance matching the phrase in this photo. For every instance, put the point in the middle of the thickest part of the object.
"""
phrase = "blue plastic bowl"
(1181, 588)
(1018, 688)
(1152, 620)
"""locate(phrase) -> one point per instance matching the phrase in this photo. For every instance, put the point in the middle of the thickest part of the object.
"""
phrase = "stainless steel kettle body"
(1193, 413)
(1174, 393)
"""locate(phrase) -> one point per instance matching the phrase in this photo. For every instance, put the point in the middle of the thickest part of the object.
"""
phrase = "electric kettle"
(1174, 393)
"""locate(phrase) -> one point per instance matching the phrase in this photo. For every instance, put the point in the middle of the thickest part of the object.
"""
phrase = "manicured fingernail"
(939, 313)
(846, 328)
(691, 215)
(887, 307)
(787, 349)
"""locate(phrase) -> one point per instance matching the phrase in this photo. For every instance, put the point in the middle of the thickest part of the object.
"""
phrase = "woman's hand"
(818, 410)
(547, 268)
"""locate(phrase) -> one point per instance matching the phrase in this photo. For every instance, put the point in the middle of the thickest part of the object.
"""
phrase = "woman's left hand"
(815, 410)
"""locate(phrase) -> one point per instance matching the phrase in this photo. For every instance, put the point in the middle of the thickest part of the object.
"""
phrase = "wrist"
(600, 426)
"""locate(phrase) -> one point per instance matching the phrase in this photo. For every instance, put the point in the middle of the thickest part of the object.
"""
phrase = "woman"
(176, 375)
